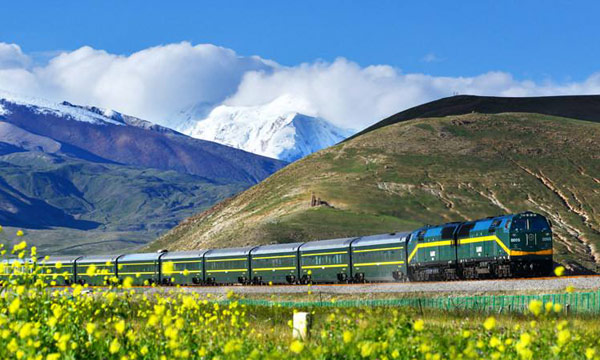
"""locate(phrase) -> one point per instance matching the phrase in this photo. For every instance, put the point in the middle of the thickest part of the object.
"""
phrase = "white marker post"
(301, 323)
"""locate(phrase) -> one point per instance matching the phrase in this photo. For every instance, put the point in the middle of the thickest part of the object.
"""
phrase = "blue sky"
(538, 40)
(350, 62)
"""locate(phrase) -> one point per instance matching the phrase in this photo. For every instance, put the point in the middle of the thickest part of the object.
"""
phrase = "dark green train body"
(325, 261)
(142, 269)
(501, 246)
(227, 266)
(275, 264)
(58, 270)
(183, 267)
(96, 270)
(379, 258)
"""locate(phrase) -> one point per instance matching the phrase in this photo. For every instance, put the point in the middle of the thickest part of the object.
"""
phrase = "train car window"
(421, 235)
(465, 231)
(448, 232)
(496, 223)
(538, 224)
(519, 225)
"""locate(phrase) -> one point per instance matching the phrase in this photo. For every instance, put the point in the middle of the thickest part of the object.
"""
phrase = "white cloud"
(154, 83)
(355, 97)
(158, 82)
(12, 57)
(431, 58)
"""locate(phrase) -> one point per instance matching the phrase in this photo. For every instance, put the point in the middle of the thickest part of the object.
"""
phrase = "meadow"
(119, 322)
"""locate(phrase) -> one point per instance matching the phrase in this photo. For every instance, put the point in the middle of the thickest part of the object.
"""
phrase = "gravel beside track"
(478, 286)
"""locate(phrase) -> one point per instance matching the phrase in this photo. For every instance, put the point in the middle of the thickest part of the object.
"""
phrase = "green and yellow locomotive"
(505, 246)
(517, 245)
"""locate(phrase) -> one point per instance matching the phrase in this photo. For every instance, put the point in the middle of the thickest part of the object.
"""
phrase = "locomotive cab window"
(538, 224)
(448, 232)
(465, 231)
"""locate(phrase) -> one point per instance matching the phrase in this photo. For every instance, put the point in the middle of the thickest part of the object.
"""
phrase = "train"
(515, 245)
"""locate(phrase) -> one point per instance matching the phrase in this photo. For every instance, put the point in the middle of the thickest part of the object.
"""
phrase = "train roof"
(277, 248)
(390, 238)
(183, 254)
(327, 244)
(64, 259)
(139, 257)
(242, 251)
(97, 258)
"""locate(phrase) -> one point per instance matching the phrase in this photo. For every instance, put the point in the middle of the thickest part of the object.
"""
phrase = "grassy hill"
(421, 171)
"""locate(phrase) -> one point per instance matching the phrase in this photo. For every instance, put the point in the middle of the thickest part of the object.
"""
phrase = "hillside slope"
(422, 171)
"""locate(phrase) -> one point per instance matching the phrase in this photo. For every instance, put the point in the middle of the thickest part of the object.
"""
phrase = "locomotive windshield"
(534, 224)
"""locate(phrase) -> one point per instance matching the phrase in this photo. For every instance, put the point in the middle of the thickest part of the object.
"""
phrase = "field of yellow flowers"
(37, 322)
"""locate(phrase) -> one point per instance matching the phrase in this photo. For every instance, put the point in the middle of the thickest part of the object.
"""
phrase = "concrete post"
(301, 324)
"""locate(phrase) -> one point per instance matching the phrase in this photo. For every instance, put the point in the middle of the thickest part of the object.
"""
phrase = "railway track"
(552, 284)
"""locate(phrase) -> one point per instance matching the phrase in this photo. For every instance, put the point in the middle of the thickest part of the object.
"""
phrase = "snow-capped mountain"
(278, 129)
(128, 140)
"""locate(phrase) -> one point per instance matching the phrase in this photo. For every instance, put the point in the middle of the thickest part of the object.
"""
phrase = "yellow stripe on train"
(477, 240)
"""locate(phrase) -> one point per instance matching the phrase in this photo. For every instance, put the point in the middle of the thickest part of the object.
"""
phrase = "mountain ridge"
(582, 107)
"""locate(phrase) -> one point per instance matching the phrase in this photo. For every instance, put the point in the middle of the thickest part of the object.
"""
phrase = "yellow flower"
(25, 330)
(14, 306)
(120, 326)
(494, 342)
(489, 323)
(127, 282)
(535, 306)
(296, 346)
(419, 325)
(58, 265)
(168, 267)
(559, 271)
(366, 349)
(347, 336)
(90, 328)
(53, 356)
(590, 353)
(20, 233)
(557, 308)
(114, 346)
(91, 270)
(525, 339)
(20, 246)
(144, 350)
(570, 289)
(563, 337)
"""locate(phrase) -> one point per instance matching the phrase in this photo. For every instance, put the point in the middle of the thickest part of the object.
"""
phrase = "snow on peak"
(278, 129)
(64, 109)
(3, 110)
(89, 114)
